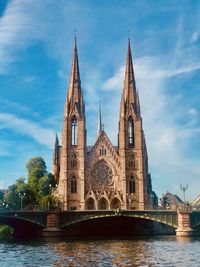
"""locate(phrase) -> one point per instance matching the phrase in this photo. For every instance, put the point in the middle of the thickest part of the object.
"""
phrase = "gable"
(104, 148)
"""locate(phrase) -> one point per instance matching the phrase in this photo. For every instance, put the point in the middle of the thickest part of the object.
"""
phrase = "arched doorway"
(115, 204)
(90, 205)
(103, 204)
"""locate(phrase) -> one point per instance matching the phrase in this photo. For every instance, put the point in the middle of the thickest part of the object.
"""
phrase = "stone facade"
(102, 176)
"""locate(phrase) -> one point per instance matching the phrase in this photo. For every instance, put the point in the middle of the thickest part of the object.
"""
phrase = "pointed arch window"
(131, 162)
(73, 160)
(73, 184)
(131, 132)
(132, 185)
(74, 131)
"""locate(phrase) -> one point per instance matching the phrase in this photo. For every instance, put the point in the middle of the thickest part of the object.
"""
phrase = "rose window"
(102, 174)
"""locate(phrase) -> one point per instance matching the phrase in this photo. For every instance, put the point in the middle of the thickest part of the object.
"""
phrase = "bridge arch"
(111, 225)
(22, 226)
(196, 226)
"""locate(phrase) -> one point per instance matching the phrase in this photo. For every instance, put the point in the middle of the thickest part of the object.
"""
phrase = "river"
(155, 251)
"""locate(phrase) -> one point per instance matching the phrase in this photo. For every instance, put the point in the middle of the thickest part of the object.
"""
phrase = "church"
(102, 176)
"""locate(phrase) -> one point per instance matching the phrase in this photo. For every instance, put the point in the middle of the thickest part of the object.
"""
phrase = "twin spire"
(75, 95)
(130, 95)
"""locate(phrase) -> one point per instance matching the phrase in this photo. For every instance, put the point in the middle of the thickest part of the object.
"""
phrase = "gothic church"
(102, 176)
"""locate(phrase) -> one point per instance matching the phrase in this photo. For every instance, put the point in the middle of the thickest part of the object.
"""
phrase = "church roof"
(196, 202)
(175, 199)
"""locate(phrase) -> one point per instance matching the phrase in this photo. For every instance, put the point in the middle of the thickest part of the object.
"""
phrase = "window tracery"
(131, 132)
(102, 174)
(73, 184)
(131, 162)
(131, 184)
(74, 130)
(73, 160)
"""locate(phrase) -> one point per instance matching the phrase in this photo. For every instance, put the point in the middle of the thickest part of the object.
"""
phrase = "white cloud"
(22, 23)
(193, 112)
(148, 68)
(195, 37)
(5, 149)
(115, 82)
(167, 139)
(41, 135)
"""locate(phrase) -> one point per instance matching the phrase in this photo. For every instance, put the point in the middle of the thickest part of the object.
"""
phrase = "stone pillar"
(53, 219)
(52, 224)
(184, 224)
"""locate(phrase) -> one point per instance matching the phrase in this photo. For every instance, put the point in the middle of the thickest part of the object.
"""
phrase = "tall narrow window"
(131, 162)
(73, 184)
(131, 185)
(74, 131)
(130, 132)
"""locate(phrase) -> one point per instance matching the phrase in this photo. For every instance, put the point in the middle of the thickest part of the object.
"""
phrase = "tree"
(38, 190)
(50, 201)
(36, 170)
(164, 201)
(36, 163)
(39, 180)
(21, 186)
(11, 198)
(1, 196)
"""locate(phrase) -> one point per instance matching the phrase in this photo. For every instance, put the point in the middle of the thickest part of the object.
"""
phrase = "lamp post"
(184, 188)
(22, 196)
(52, 188)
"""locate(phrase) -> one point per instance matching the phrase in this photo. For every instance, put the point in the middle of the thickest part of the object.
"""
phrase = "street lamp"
(22, 196)
(52, 188)
(184, 188)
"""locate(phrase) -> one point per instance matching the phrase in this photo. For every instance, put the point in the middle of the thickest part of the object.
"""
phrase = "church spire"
(100, 128)
(56, 158)
(137, 103)
(129, 92)
(56, 150)
(74, 93)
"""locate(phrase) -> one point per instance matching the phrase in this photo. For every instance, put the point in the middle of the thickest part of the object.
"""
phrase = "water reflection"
(157, 251)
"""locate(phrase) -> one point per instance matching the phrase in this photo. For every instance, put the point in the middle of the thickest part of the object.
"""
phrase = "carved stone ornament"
(102, 174)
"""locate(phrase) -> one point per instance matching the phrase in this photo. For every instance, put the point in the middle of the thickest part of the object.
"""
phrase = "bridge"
(103, 222)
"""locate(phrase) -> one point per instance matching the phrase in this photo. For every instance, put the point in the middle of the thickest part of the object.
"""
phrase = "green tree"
(1, 195)
(164, 201)
(11, 198)
(21, 185)
(36, 171)
(38, 190)
(39, 180)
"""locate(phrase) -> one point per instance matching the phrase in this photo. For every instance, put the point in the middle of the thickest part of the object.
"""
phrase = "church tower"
(131, 142)
(102, 176)
(73, 150)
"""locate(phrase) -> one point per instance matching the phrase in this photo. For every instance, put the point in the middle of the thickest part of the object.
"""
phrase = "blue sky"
(36, 45)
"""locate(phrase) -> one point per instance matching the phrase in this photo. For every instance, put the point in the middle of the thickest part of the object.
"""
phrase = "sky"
(36, 47)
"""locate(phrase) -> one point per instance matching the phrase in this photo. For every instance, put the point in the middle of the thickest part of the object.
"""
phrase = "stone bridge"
(183, 223)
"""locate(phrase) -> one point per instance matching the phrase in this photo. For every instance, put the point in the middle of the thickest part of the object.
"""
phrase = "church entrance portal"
(115, 204)
(103, 204)
(90, 204)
